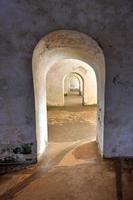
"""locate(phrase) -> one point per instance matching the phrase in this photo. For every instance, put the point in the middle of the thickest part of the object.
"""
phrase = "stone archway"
(67, 88)
(55, 81)
(67, 80)
(51, 49)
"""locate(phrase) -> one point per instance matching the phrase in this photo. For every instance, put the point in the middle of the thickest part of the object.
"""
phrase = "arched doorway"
(52, 49)
(74, 84)
(56, 76)
(74, 87)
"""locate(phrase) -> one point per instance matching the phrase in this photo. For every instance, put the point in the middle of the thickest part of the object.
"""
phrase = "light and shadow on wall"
(64, 52)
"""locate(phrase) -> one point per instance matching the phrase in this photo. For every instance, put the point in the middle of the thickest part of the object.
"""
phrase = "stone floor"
(72, 168)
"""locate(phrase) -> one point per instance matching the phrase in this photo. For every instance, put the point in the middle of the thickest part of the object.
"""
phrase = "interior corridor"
(73, 99)
(72, 168)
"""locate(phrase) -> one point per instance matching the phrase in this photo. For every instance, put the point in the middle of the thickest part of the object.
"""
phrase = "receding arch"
(81, 83)
(67, 79)
(71, 76)
(55, 93)
(51, 49)
(74, 82)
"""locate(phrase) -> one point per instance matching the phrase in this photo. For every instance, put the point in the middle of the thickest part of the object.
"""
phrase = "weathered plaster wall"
(22, 24)
(57, 47)
(57, 74)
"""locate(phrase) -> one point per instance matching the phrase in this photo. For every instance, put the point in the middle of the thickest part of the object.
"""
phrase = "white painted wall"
(55, 48)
